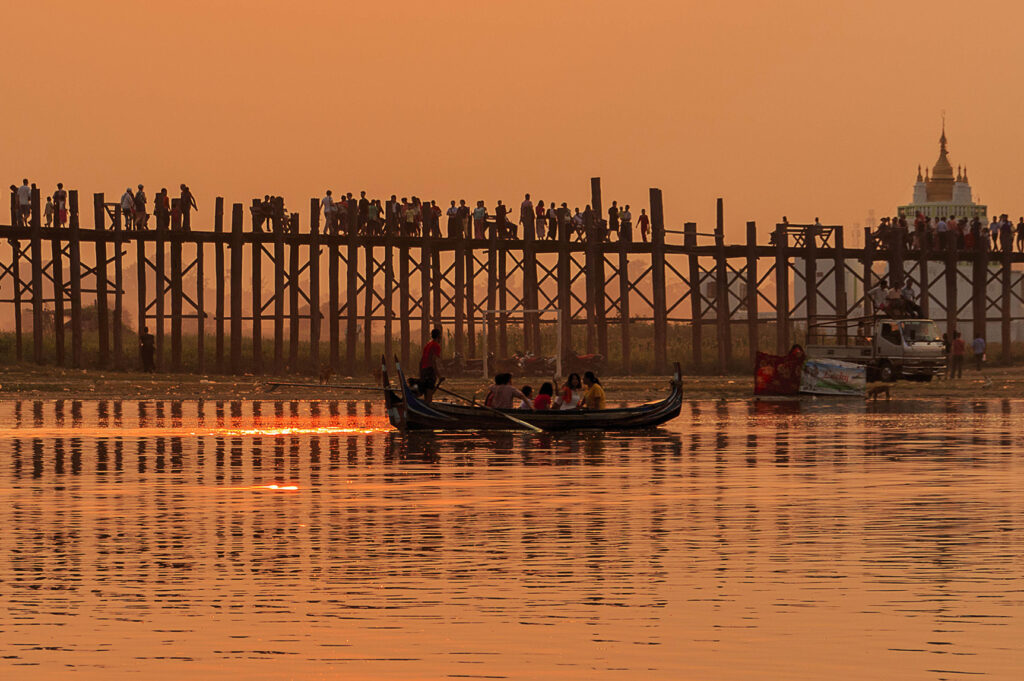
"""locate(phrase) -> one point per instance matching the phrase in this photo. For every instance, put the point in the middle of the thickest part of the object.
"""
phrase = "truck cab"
(889, 348)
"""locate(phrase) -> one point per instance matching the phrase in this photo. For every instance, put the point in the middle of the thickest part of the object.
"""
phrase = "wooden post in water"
(979, 301)
(924, 275)
(952, 302)
(293, 294)
(37, 281)
(460, 296)
(333, 282)
(625, 241)
(389, 290)
(492, 294)
(723, 321)
(351, 296)
(436, 306)
(200, 308)
(176, 285)
(218, 265)
(1005, 301)
(867, 262)
(403, 300)
(503, 351)
(696, 306)
(565, 292)
(57, 272)
(426, 255)
(531, 322)
(140, 281)
(368, 359)
(257, 303)
(811, 276)
(159, 288)
(781, 290)
(590, 279)
(236, 288)
(598, 290)
(470, 295)
(279, 299)
(839, 269)
(314, 285)
(102, 321)
(75, 279)
(658, 280)
(119, 358)
(753, 341)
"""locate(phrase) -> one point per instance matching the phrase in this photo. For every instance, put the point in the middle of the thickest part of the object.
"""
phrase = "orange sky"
(803, 108)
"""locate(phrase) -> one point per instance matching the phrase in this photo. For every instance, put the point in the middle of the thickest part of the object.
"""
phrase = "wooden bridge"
(376, 283)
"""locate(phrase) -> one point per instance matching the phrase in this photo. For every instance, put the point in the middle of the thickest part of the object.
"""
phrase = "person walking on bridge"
(187, 202)
(24, 195)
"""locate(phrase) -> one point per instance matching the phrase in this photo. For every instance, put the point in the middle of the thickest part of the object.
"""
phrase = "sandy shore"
(30, 382)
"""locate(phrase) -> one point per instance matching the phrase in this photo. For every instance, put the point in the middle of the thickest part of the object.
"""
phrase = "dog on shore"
(875, 391)
(325, 374)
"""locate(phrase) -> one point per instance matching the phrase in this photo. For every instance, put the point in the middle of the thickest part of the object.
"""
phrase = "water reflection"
(206, 538)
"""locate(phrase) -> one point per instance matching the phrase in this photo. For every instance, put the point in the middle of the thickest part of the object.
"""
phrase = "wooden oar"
(511, 418)
(277, 384)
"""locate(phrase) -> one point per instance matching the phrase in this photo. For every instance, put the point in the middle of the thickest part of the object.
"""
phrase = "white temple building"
(943, 194)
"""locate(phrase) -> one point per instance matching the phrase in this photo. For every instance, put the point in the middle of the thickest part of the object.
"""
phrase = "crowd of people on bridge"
(418, 217)
(949, 233)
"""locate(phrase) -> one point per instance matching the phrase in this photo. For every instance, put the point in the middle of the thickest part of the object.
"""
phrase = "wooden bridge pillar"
(293, 295)
(119, 355)
(811, 276)
(753, 340)
(403, 301)
(314, 285)
(460, 296)
(470, 301)
(159, 288)
(352, 297)
(867, 263)
(1005, 300)
(781, 290)
(565, 291)
(236, 288)
(723, 318)
(176, 284)
(952, 303)
(426, 256)
(389, 291)
(218, 265)
(257, 303)
(924, 276)
(696, 306)
(839, 269)
(492, 293)
(75, 278)
(279, 299)
(200, 308)
(625, 241)
(36, 249)
(658, 279)
(102, 321)
(333, 282)
(979, 298)
(368, 263)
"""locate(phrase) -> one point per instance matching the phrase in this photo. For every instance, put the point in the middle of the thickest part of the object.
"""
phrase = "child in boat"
(543, 399)
(571, 394)
(528, 402)
(594, 397)
(502, 395)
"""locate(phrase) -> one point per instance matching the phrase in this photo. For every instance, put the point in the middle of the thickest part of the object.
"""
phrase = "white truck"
(889, 348)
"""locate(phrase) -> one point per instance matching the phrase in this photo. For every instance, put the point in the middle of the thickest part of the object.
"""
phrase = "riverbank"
(47, 383)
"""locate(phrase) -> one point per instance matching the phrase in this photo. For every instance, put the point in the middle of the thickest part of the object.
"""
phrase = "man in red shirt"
(430, 365)
(959, 348)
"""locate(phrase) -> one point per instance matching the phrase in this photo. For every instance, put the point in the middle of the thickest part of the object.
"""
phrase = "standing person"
(162, 209)
(60, 205)
(625, 222)
(645, 224)
(463, 216)
(959, 350)
(1020, 235)
(506, 230)
(187, 204)
(327, 205)
(526, 215)
(147, 350)
(552, 219)
(140, 209)
(48, 211)
(877, 296)
(613, 221)
(1006, 233)
(993, 231)
(363, 211)
(24, 195)
(594, 397)
(479, 221)
(430, 365)
(541, 215)
(979, 352)
(453, 221)
(562, 217)
(128, 208)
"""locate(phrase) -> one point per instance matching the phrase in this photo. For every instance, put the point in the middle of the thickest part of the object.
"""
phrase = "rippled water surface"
(305, 540)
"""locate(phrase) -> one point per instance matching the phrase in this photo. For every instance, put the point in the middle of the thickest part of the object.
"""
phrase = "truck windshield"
(920, 332)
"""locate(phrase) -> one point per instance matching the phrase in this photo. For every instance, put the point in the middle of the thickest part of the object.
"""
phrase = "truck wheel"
(886, 373)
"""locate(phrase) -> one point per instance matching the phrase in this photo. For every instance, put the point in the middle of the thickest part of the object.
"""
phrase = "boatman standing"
(430, 365)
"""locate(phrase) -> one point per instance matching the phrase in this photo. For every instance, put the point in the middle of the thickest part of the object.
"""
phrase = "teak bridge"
(377, 282)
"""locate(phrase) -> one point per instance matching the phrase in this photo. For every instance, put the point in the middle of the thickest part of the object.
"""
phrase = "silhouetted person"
(48, 211)
(526, 216)
(188, 204)
(162, 209)
(644, 223)
(60, 203)
(613, 220)
(24, 195)
(147, 350)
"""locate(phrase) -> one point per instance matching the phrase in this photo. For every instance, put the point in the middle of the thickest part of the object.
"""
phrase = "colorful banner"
(832, 377)
(778, 375)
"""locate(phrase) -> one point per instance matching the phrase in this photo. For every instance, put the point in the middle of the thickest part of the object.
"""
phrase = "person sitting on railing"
(909, 297)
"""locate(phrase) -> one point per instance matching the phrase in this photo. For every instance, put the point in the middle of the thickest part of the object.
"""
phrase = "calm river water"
(276, 540)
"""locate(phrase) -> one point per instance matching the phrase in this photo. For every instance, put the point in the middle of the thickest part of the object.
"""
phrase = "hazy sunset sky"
(798, 108)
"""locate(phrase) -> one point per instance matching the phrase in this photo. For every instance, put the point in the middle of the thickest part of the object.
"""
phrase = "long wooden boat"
(407, 411)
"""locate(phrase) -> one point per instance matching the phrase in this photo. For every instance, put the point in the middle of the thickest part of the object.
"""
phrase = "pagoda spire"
(918, 172)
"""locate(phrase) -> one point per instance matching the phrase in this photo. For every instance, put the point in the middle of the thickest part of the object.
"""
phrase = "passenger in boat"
(528, 402)
(430, 365)
(571, 394)
(544, 397)
(503, 395)
(594, 397)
